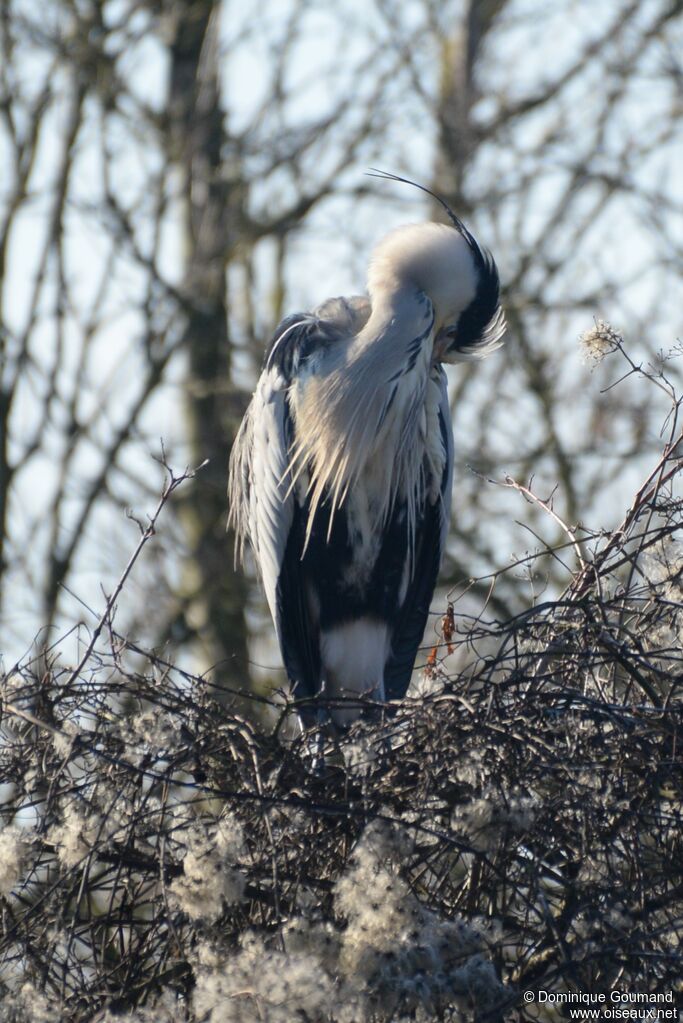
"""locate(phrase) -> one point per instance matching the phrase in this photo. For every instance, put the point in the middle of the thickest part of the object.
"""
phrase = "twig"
(147, 532)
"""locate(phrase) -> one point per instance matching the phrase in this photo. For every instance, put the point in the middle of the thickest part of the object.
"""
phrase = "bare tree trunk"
(457, 142)
(197, 135)
(457, 138)
(5, 472)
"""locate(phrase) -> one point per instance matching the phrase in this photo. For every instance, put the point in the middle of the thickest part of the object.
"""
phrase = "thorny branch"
(146, 534)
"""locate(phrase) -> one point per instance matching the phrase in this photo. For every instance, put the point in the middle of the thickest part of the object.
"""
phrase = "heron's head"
(459, 277)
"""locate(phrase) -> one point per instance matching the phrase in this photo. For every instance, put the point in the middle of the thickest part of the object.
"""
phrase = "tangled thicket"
(514, 826)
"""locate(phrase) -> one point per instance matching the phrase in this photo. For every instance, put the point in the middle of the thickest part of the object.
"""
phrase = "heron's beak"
(443, 341)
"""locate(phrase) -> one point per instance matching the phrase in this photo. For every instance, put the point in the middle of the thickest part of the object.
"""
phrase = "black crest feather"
(482, 324)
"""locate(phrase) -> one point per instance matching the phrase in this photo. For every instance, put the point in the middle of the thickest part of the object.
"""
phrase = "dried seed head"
(600, 340)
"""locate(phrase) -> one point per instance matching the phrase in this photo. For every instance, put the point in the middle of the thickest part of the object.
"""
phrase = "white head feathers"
(435, 259)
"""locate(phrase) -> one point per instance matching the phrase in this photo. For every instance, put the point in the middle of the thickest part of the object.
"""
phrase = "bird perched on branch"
(340, 476)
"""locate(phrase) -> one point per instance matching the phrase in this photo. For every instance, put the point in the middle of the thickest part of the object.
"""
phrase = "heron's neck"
(397, 336)
(401, 307)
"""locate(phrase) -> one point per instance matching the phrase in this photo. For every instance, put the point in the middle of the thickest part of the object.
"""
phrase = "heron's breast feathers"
(363, 431)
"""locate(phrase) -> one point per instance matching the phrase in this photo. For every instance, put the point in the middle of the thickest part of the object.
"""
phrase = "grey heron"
(340, 475)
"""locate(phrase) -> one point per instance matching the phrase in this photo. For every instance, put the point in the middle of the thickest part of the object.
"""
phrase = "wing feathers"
(430, 540)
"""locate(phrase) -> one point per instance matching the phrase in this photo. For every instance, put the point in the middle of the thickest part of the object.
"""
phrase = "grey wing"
(259, 488)
(263, 506)
(261, 501)
(430, 543)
